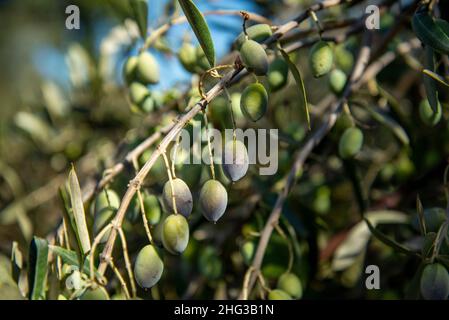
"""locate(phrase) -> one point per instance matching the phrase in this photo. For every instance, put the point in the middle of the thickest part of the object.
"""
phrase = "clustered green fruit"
(350, 143)
(147, 68)
(258, 32)
(148, 267)
(434, 282)
(321, 58)
(151, 208)
(175, 233)
(254, 101)
(278, 294)
(290, 284)
(428, 116)
(193, 58)
(235, 161)
(254, 57)
(182, 194)
(106, 204)
(213, 200)
(277, 74)
(98, 293)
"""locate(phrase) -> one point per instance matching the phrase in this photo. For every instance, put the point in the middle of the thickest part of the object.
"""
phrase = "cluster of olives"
(288, 287)
(139, 72)
(193, 58)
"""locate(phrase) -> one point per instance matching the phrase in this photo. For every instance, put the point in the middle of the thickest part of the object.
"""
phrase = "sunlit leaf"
(38, 268)
(200, 28)
(140, 12)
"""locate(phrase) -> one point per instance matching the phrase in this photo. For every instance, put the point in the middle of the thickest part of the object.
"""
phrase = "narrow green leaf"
(429, 84)
(140, 12)
(76, 200)
(16, 261)
(430, 32)
(436, 77)
(297, 75)
(422, 221)
(38, 268)
(388, 241)
(200, 28)
(70, 257)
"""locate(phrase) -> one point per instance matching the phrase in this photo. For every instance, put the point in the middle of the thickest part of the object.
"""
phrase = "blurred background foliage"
(63, 101)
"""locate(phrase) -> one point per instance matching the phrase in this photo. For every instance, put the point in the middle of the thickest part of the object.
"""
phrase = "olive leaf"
(431, 32)
(200, 28)
(38, 268)
(422, 220)
(300, 83)
(16, 261)
(436, 77)
(429, 84)
(70, 257)
(76, 200)
(140, 11)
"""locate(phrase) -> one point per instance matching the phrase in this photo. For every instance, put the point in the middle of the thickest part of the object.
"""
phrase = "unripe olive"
(235, 160)
(147, 105)
(157, 231)
(278, 294)
(219, 111)
(148, 267)
(104, 211)
(321, 59)
(434, 282)
(138, 93)
(277, 74)
(209, 263)
(183, 197)
(147, 68)
(247, 250)
(254, 57)
(343, 58)
(187, 56)
(350, 142)
(434, 218)
(258, 32)
(254, 101)
(290, 284)
(152, 209)
(213, 200)
(175, 233)
(99, 293)
(129, 69)
(202, 62)
(428, 116)
(337, 81)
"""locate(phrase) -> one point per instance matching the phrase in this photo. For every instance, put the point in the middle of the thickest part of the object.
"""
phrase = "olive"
(152, 208)
(187, 56)
(278, 294)
(235, 160)
(138, 93)
(350, 142)
(147, 68)
(175, 233)
(291, 284)
(104, 211)
(343, 58)
(183, 197)
(428, 116)
(434, 282)
(247, 250)
(258, 32)
(337, 81)
(254, 101)
(321, 59)
(129, 69)
(277, 74)
(254, 57)
(213, 200)
(148, 267)
(98, 293)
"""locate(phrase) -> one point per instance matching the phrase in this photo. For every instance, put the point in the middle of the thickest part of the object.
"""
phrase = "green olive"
(152, 208)
(277, 74)
(434, 282)
(175, 233)
(278, 294)
(147, 68)
(99, 293)
(343, 58)
(254, 101)
(337, 81)
(321, 58)
(235, 160)
(187, 56)
(247, 250)
(428, 116)
(105, 207)
(290, 284)
(350, 143)
(254, 57)
(258, 32)
(148, 267)
(129, 69)
(213, 200)
(183, 197)
(138, 93)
